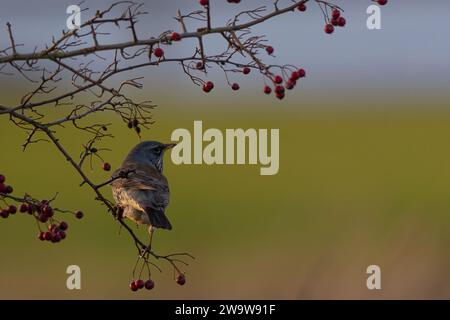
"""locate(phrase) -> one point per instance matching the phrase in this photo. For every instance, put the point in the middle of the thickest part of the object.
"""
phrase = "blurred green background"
(356, 187)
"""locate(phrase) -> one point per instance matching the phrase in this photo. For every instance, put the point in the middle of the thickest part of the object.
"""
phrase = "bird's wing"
(142, 187)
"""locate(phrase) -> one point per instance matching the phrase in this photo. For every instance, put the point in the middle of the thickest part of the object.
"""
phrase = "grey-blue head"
(149, 152)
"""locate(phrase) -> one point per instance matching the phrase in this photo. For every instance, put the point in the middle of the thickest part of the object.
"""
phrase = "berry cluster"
(381, 2)
(42, 211)
(3, 187)
(135, 285)
(55, 233)
(337, 20)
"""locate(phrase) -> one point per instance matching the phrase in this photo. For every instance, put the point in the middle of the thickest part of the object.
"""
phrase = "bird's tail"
(158, 219)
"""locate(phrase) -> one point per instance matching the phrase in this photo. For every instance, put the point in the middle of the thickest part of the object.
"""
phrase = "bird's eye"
(158, 151)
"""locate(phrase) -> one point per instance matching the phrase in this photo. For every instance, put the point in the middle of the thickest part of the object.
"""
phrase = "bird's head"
(149, 152)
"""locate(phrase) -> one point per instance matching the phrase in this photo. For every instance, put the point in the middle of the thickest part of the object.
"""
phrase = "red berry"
(269, 49)
(31, 209)
(106, 166)
(295, 75)
(301, 7)
(41, 236)
(280, 96)
(382, 2)
(290, 84)
(47, 236)
(2, 178)
(246, 70)
(62, 234)
(56, 238)
(329, 29)
(140, 283)
(63, 226)
(43, 218)
(208, 86)
(278, 79)
(52, 227)
(279, 89)
(2, 187)
(159, 52)
(4, 213)
(267, 90)
(23, 207)
(336, 13)
(334, 22)
(133, 286)
(234, 1)
(79, 215)
(341, 22)
(9, 189)
(301, 73)
(12, 209)
(235, 87)
(181, 279)
(149, 284)
(204, 2)
(199, 65)
(48, 211)
(175, 36)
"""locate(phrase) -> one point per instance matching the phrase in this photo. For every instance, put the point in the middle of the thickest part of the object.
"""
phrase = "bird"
(139, 187)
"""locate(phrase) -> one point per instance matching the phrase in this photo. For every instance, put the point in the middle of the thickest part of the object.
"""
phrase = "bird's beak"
(169, 146)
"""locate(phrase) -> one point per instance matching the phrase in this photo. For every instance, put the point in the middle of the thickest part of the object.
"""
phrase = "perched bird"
(140, 188)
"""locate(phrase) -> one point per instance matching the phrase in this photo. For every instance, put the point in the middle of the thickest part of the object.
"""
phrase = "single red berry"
(267, 90)
(295, 75)
(41, 236)
(47, 236)
(336, 13)
(52, 227)
(2, 178)
(56, 238)
(4, 213)
(246, 70)
(106, 166)
(23, 207)
(301, 73)
(290, 84)
(334, 22)
(12, 209)
(235, 87)
(329, 29)
(181, 279)
(2, 187)
(279, 89)
(234, 1)
(199, 65)
(341, 22)
(140, 283)
(31, 209)
(301, 7)
(79, 215)
(9, 189)
(133, 286)
(269, 49)
(175, 36)
(208, 86)
(47, 210)
(63, 225)
(204, 2)
(382, 2)
(61, 234)
(159, 52)
(43, 218)
(278, 79)
(280, 96)
(149, 284)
